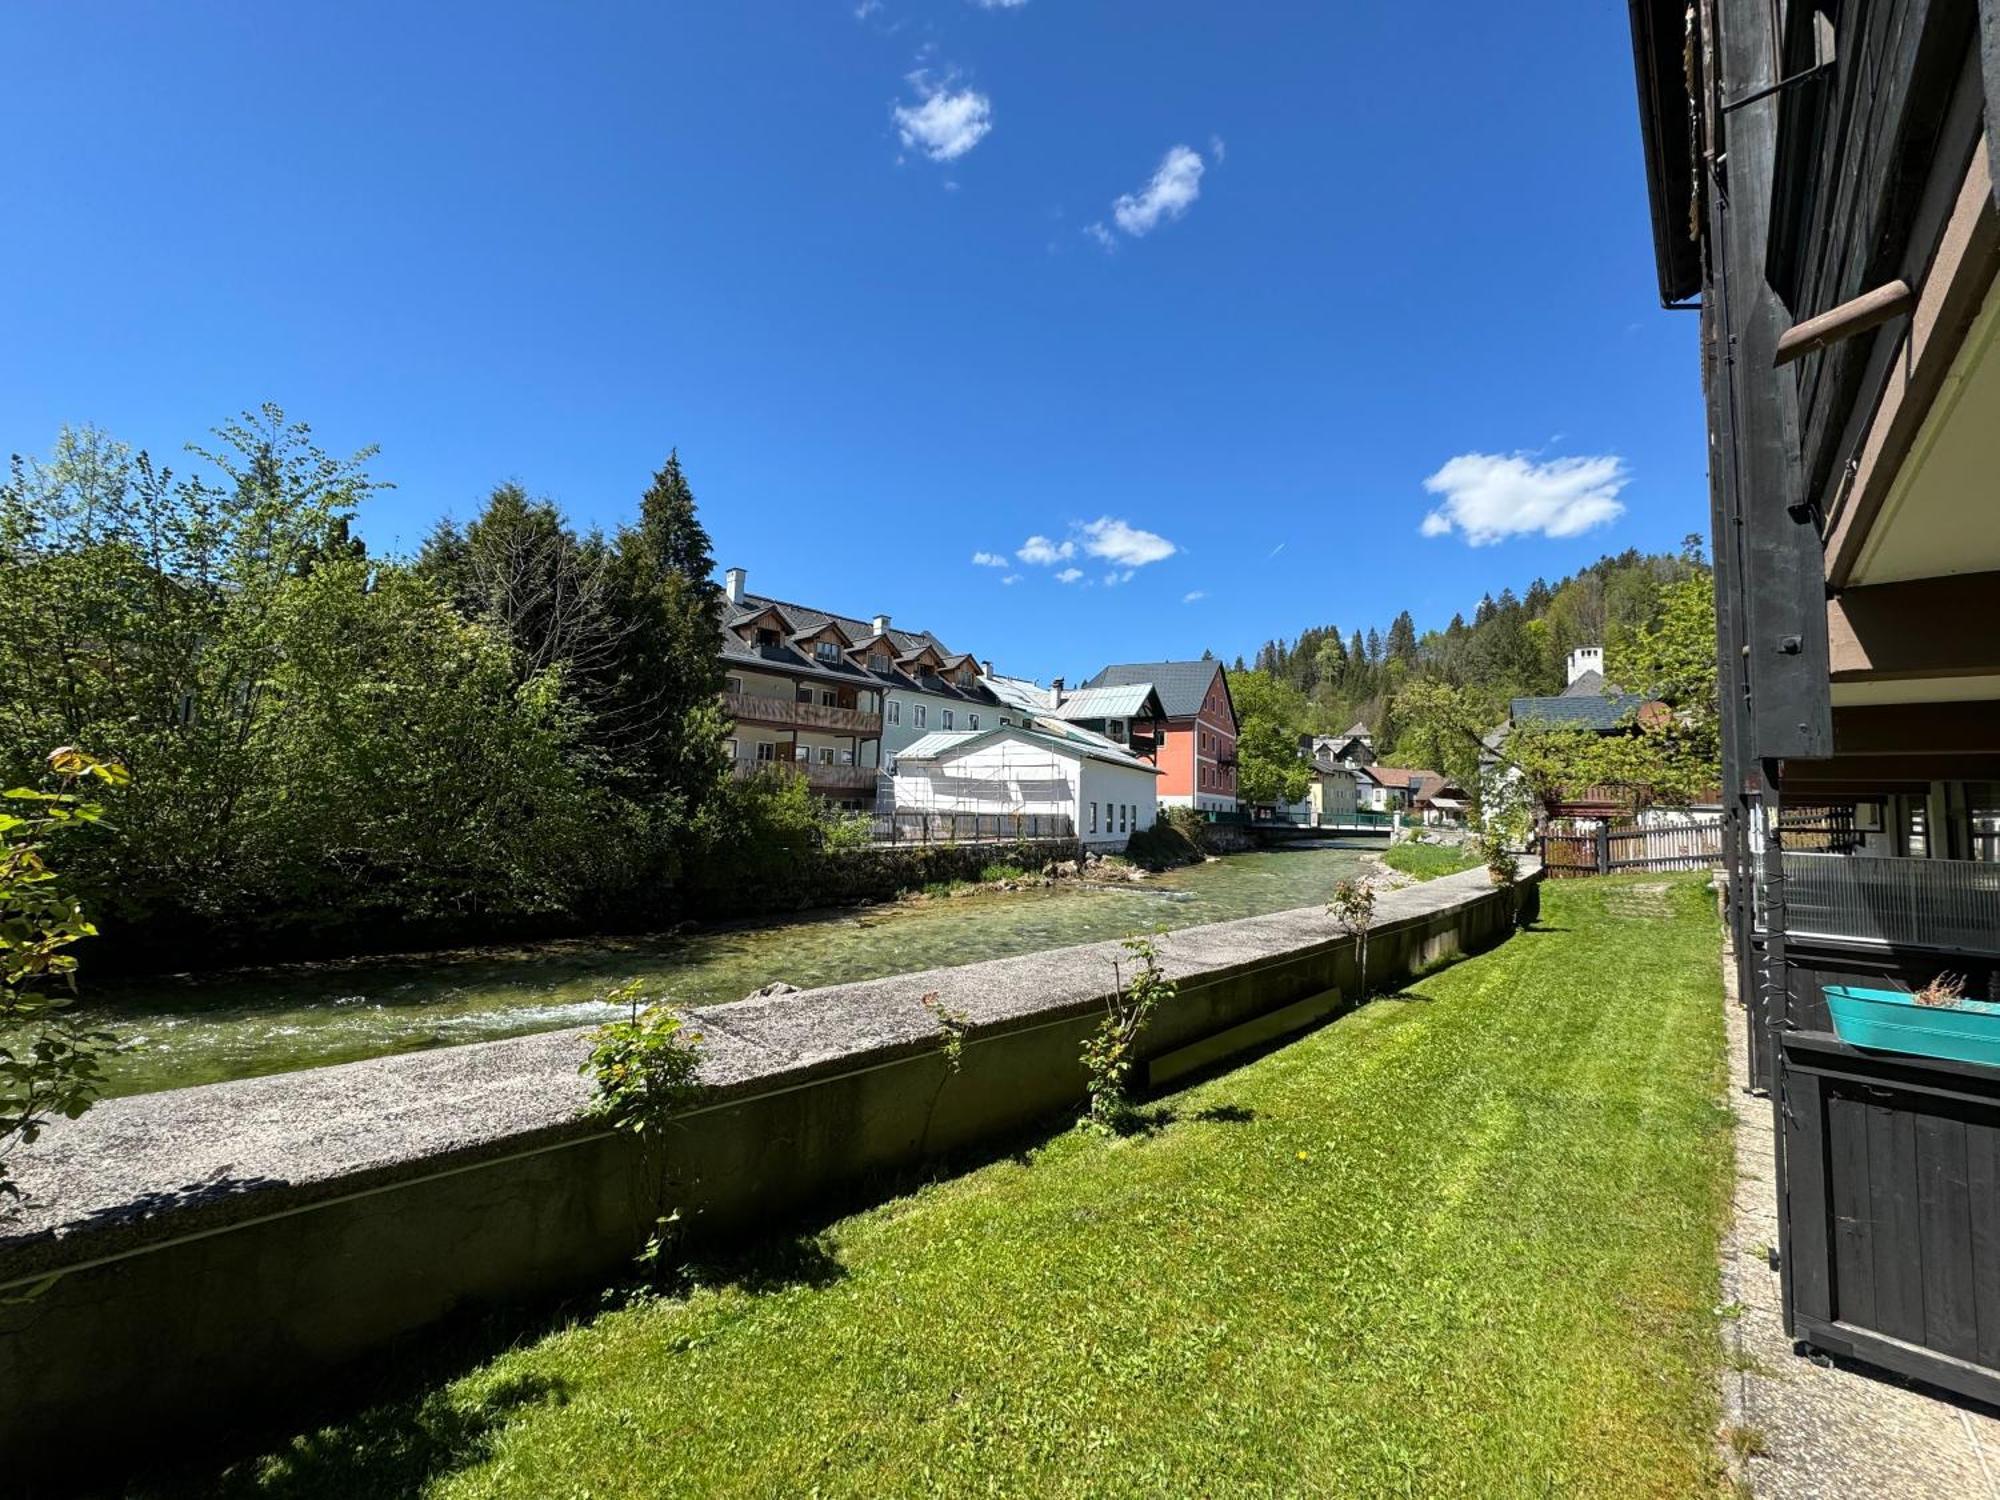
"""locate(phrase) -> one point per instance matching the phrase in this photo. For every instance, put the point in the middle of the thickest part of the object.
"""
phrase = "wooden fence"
(1611, 851)
(968, 828)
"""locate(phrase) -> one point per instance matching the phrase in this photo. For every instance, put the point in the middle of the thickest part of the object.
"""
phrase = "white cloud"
(989, 560)
(1104, 237)
(1069, 575)
(1217, 149)
(1274, 551)
(1193, 596)
(948, 123)
(1011, 578)
(1119, 542)
(1170, 193)
(1489, 497)
(999, 4)
(1114, 577)
(1041, 551)
(866, 8)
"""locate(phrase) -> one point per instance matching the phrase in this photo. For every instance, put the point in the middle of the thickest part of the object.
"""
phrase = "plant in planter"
(1110, 1050)
(1944, 991)
(1353, 907)
(645, 1069)
(1935, 1021)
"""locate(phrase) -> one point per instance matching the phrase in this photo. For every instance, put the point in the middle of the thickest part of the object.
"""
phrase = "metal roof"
(1601, 714)
(1182, 685)
(1127, 701)
(934, 746)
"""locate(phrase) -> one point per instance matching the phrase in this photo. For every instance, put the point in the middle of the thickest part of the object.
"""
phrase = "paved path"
(1824, 1430)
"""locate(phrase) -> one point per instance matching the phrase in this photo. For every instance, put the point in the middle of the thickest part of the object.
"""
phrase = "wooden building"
(1822, 189)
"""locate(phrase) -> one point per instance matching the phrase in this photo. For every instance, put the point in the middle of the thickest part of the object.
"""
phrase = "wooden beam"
(1931, 627)
(1869, 310)
(1917, 729)
(1949, 298)
(1873, 775)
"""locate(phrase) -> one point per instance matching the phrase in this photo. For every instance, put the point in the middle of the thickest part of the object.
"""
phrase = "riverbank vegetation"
(1462, 1241)
(1653, 614)
(514, 731)
(1429, 861)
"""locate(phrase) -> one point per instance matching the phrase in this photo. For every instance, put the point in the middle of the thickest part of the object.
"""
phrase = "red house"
(1196, 749)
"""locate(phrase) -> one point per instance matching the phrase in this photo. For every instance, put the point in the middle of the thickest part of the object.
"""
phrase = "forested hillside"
(1325, 679)
(1511, 647)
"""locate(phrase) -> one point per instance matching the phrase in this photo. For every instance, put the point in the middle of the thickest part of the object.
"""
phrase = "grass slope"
(1428, 861)
(1462, 1241)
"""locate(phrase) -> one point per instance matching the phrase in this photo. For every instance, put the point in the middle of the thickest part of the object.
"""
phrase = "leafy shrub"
(49, 1066)
(645, 1068)
(1178, 837)
(1352, 905)
(1110, 1050)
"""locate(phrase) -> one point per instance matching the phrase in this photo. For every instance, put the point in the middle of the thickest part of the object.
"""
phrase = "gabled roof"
(1182, 685)
(1076, 742)
(1019, 692)
(794, 656)
(1602, 714)
(1135, 700)
(1397, 776)
(1587, 685)
(1358, 730)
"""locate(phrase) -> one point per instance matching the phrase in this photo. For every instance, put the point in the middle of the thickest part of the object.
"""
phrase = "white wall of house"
(910, 716)
(1108, 803)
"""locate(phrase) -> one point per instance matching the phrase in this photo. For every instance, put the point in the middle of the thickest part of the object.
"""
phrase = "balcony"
(752, 708)
(1948, 905)
(820, 778)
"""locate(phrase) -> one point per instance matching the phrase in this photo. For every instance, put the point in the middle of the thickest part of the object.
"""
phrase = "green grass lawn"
(1428, 861)
(1459, 1242)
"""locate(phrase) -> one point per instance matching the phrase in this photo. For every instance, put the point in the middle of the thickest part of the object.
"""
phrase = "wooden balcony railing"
(818, 777)
(751, 708)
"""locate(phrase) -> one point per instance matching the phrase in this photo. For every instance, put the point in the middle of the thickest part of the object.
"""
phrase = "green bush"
(1179, 836)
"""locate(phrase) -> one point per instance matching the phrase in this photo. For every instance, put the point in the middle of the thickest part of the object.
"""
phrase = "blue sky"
(1199, 295)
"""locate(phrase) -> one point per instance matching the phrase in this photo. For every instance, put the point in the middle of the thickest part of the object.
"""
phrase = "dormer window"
(766, 637)
(826, 651)
(878, 663)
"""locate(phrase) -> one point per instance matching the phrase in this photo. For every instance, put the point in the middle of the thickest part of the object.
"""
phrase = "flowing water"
(203, 1028)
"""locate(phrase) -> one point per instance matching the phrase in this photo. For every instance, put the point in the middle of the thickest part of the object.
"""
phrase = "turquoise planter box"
(1891, 1021)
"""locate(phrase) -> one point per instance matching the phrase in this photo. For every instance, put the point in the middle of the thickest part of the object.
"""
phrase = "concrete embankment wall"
(188, 1257)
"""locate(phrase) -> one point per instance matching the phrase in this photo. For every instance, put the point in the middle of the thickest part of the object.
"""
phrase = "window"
(801, 752)
(1123, 826)
(921, 715)
(828, 698)
(826, 755)
(732, 684)
(895, 712)
(766, 750)
(944, 718)
(767, 637)
(1093, 817)
(730, 746)
(972, 721)
(1115, 729)
(877, 662)
(1004, 720)
(826, 651)
(804, 694)
(1916, 841)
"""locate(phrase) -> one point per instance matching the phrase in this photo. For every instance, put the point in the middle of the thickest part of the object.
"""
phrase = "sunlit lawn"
(1428, 861)
(1462, 1241)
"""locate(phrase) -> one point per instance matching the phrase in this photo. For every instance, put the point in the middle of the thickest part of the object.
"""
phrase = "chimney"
(1056, 691)
(986, 667)
(1585, 659)
(880, 624)
(732, 584)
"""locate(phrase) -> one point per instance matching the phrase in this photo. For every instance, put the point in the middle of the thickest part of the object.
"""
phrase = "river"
(204, 1028)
